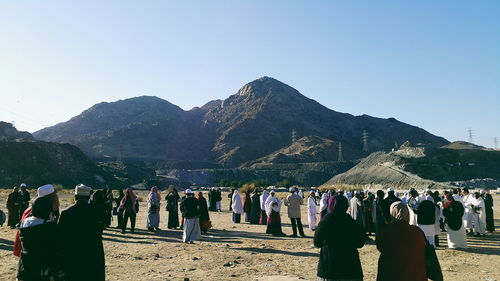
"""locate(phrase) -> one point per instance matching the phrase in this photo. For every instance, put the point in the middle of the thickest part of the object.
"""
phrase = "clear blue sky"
(433, 64)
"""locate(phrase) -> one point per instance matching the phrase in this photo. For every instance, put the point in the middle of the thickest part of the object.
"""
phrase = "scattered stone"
(269, 265)
(236, 262)
(195, 258)
(269, 259)
(234, 275)
(185, 278)
(138, 258)
(228, 264)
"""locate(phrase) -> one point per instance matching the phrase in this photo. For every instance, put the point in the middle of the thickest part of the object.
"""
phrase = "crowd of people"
(342, 222)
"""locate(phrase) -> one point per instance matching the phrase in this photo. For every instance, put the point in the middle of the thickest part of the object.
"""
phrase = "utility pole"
(365, 141)
(294, 136)
(471, 135)
(340, 159)
(495, 141)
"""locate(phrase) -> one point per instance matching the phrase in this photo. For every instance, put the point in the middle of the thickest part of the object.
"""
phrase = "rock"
(195, 258)
(228, 264)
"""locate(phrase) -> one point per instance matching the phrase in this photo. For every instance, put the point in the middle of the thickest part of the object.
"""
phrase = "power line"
(470, 133)
(340, 158)
(365, 141)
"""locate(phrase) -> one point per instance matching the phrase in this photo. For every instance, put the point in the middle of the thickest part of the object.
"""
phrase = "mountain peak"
(265, 86)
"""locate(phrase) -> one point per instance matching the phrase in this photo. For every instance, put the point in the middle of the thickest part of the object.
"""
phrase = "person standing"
(230, 196)
(255, 211)
(130, 207)
(293, 202)
(323, 205)
(453, 212)
(368, 213)
(153, 210)
(218, 199)
(488, 207)
(339, 238)
(262, 201)
(311, 211)
(41, 255)
(172, 199)
(205, 223)
(237, 206)
(479, 215)
(398, 263)
(99, 204)
(108, 204)
(467, 199)
(81, 239)
(386, 204)
(247, 205)
(119, 212)
(13, 205)
(273, 208)
(426, 218)
(25, 199)
(191, 214)
(378, 217)
(43, 191)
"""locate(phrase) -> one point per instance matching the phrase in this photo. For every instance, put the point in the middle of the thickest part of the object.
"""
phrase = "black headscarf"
(42, 207)
(340, 204)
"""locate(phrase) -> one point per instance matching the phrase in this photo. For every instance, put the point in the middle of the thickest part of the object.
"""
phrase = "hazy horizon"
(428, 64)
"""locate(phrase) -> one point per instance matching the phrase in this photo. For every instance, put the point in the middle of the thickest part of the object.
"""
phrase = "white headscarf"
(323, 204)
(263, 199)
(270, 200)
(237, 205)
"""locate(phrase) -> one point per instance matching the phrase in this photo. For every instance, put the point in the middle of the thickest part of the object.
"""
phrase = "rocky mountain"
(9, 133)
(265, 121)
(456, 164)
(22, 159)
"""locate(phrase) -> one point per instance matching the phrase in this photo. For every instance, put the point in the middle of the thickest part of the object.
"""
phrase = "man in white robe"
(467, 199)
(311, 211)
(479, 215)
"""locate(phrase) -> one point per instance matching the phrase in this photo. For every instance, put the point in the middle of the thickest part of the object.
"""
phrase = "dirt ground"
(243, 252)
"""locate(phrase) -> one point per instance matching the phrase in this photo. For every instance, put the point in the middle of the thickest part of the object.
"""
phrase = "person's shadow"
(6, 245)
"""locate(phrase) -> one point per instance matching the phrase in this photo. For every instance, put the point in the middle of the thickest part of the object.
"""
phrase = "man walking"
(293, 202)
(191, 213)
(81, 234)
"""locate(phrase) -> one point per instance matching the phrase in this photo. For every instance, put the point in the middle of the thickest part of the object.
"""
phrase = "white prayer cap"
(482, 191)
(22, 185)
(390, 189)
(82, 190)
(291, 189)
(188, 191)
(45, 190)
(356, 192)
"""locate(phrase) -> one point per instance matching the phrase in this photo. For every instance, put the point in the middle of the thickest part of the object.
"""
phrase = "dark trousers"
(120, 218)
(236, 218)
(296, 222)
(129, 214)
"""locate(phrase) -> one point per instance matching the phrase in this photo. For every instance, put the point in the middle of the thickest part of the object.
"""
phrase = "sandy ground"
(243, 252)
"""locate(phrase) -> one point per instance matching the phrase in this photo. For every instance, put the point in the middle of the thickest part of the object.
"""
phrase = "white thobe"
(311, 212)
(479, 217)
(468, 214)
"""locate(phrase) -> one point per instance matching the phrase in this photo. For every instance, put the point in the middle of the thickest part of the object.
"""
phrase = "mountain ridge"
(256, 121)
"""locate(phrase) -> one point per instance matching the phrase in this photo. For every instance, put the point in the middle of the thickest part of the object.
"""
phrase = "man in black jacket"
(190, 209)
(81, 234)
(386, 204)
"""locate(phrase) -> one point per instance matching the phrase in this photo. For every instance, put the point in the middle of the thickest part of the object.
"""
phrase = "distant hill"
(258, 124)
(9, 133)
(426, 167)
(24, 160)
